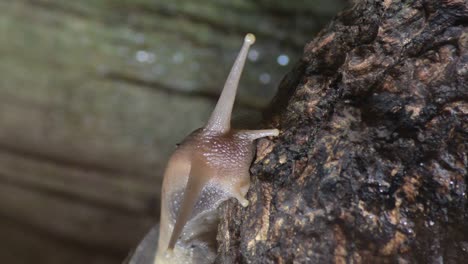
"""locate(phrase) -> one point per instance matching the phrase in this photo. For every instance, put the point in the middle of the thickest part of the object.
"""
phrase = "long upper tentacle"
(196, 181)
(220, 120)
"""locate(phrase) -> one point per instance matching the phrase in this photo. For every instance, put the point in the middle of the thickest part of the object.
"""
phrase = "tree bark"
(371, 162)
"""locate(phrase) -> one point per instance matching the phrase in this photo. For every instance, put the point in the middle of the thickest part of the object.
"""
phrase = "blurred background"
(94, 95)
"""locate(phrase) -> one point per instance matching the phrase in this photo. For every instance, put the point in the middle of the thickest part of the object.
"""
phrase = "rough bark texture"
(371, 163)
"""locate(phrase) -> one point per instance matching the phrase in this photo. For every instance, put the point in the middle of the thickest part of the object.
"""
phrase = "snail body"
(210, 166)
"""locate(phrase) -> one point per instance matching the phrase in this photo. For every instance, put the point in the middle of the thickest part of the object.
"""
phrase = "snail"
(210, 166)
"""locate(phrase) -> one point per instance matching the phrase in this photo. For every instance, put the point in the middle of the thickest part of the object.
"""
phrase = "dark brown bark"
(371, 164)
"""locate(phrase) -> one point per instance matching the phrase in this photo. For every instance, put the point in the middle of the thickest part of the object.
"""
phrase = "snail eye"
(177, 145)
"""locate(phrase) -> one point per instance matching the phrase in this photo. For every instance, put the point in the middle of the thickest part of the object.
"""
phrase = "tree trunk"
(371, 162)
